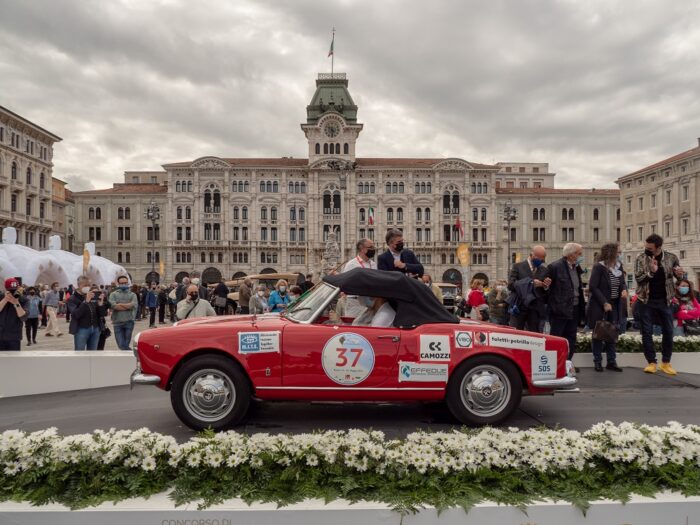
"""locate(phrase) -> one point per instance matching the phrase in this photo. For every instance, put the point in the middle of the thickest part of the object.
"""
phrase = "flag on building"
(370, 217)
(458, 227)
(330, 51)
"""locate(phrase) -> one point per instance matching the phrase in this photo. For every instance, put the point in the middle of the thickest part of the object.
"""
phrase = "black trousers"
(161, 313)
(527, 320)
(31, 326)
(152, 316)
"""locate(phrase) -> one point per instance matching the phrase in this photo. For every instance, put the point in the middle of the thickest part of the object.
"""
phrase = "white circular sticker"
(348, 359)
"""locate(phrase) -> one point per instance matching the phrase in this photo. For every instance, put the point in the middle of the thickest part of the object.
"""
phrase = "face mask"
(399, 247)
(536, 262)
(648, 253)
(292, 297)
(261, 293)
(579, 260)
(283, 289)
(684, 290)
(194, 296)
(367, 301)
(499, 287)
(195, 281)
(124, 287)
(55, 288)
(371, 253)
(85, 289)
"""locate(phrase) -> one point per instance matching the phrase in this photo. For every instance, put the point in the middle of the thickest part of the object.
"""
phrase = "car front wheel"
(210, 391)
(484, 390)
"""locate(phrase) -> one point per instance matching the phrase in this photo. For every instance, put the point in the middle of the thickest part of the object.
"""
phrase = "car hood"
(227, 319)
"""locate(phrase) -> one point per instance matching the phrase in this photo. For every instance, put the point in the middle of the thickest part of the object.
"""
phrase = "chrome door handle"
(394, 338)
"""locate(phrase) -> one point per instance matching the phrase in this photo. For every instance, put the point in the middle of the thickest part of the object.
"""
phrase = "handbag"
(605, 331)
(220, 302)
(692, 327)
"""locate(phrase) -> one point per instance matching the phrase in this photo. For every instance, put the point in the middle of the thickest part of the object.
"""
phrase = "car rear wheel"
(484, 390)
(210, 391)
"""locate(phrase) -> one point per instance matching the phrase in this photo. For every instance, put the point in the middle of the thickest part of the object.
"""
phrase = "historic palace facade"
(233, 216)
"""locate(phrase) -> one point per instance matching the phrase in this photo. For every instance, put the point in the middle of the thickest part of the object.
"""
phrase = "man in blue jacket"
(398, 259)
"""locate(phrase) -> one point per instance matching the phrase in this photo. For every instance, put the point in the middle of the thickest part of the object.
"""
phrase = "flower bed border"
(632, 343)
(444, 469)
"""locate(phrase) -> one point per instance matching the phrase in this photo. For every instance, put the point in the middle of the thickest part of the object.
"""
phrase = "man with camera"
(86, 307)
(12, 314)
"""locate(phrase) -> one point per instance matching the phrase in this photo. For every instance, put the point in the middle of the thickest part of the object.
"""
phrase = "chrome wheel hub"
(485, 390)
(209, 395)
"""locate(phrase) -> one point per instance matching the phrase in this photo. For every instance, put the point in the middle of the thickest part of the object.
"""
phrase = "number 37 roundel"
(348, 359)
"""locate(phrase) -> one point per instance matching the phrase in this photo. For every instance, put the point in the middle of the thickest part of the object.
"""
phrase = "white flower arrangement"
(31, 462)
(633, 343)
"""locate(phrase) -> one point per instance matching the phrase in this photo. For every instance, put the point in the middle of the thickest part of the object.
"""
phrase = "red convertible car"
(213, 366)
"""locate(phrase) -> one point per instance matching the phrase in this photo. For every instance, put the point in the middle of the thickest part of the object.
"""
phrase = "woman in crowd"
(279, 298)
(31, 323)
(496, 299)
(477, 300)
(258, 303)
(607, 288)
(686, 306)
(294, 293)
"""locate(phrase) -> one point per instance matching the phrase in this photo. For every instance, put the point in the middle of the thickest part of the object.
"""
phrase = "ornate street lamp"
(343, 168)
(152, 214)
(510, 214)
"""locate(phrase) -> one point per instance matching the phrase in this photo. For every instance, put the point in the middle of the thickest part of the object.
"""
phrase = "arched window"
(178, 213)
(42, 180)
(360, 187)
(486, 190)
(617, 214)
(417, 188)
(318, 148)
(455, 202)
(127, 213)
(475, 214)
(263, 213)
(292, 214)
(211, 257)
(387, 189)
(268, 186)
(189, 257)
(429, 187)
(29, 175)
(443, 258)
(297, 187)
(473, 187)
(275, 187)
(401, 187)
(188, 212)
(246, 186)
(262, 186)
(486, 258)
(148, 257)
(390, 215)
(563, 214)
(291, 187)
(262, 257)
(220, 257)
(446, 203)
(177, 186)
(14, 171)
(235, 213)
(98, 213)
(535, 214)
(542, 214)
(302, 187)
(189, 185)
(119, 257)
(157, 256)
(399, 214)
(91, 213)
(595, 214)
(394, 187)
(244, 213)
(128, 257)
(177, 257)
(273, 213)
(371, 187)
(427, 214)
(120, 213)
(483, 214)
(325, 152)
(203, 257)
(571, 214)
(302, 215)
(337, 149)
(346, 149)
(362, 215)
(419, 214)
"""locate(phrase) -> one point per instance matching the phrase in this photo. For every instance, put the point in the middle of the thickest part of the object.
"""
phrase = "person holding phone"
(656, 271)
(12, 313)
(86, 307)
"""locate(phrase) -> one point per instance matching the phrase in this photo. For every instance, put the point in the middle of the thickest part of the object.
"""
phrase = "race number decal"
(544, 365)
(434, 348)
(348, 359)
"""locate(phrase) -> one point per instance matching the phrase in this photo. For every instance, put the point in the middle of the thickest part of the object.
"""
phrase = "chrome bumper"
(139, 378)
(564, 384)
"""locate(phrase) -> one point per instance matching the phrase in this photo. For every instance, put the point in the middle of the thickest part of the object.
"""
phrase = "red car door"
(338, 356)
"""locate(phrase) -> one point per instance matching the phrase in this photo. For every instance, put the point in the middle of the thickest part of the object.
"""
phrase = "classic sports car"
(214, 366)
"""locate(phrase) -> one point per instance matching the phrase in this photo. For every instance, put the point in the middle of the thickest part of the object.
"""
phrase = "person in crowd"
(654, 271)
(428, 281)
(86, 308)
(143, 296)
(203, 291)
(181, 292)
(258, 302)
(43, 291)
(607, 291)
(378, 312)
(565, 294)
(527, 314)
(193, 305)
(51, 302)
(397, 258)
(477, 300)
(33, 308)
(162, 302)
(172, 302)
(70, 290)
(124, 304)
(295, 293)
(12, 314)
(279, 298)
(152, 304)
(221, 298)
(363, 259)
(105, 332)
(496, 300)
(244, 292)
(308, 283)
(686, 306)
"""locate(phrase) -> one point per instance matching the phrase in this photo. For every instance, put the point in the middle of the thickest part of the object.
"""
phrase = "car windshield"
(305, 309)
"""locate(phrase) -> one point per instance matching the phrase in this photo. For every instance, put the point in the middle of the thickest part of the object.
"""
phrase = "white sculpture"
(54, 264)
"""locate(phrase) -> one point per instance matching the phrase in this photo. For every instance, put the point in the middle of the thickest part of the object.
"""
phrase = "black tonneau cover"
(414, 302)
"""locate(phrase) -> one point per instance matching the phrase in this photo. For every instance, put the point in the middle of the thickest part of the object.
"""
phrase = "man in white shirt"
(379, 313)
(365, 254)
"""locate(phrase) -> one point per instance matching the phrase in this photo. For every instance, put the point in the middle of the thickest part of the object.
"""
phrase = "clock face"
(331, 129)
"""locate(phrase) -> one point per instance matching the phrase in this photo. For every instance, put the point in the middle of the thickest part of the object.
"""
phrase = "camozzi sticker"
(348, 358)
(515, 341)
(258, 342)
(423, 372)
(464, 339)
(544, 365)
(434, 348)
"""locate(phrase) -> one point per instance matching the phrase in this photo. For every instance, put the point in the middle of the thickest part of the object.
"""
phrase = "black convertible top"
(414, 302)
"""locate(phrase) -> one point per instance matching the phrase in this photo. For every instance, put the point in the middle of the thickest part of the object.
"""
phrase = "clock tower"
(331, 126)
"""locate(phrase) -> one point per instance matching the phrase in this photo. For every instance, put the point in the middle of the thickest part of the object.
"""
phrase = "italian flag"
(330, 51)
(370, 216)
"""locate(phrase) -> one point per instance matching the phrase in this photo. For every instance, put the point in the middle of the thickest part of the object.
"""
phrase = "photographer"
(193, 306)
(11, 314)
(86, 307)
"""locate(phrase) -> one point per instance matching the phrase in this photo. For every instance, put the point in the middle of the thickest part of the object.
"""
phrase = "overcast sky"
(596, 88)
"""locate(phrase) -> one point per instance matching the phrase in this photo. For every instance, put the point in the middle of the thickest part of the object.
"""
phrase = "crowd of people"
(539, 297)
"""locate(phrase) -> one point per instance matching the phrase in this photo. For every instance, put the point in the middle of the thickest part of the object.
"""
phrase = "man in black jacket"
(12, 314)
(565, 294)
(86, 307)
(398, 259)
(534, 269)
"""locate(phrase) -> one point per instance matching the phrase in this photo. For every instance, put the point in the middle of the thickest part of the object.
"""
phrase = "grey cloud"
(596, 88)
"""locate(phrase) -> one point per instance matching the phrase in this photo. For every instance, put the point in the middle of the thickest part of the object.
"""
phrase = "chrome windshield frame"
(335, 292)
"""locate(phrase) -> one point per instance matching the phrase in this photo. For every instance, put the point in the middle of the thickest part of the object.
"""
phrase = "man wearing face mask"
(655, 271)
(532, 270)
(124, 303)
(192, 306)
(86, 307)
(397, 258)
(565, 294)
(51, 301)
(363, 259)
(12, 313)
